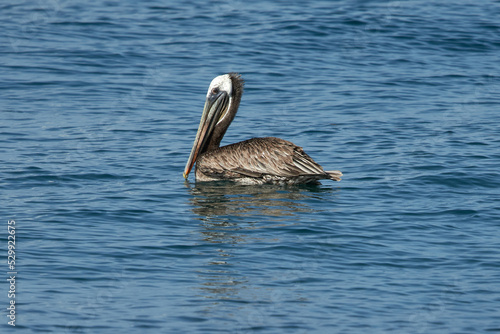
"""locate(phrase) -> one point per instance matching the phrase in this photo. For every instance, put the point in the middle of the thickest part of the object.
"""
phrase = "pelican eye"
(215, 90)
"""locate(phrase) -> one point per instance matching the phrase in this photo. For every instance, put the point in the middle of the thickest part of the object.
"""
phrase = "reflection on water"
(228, 213)
(213, 199)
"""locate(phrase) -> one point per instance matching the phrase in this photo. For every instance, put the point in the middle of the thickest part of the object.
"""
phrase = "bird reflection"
(215, 199)
(231, 215)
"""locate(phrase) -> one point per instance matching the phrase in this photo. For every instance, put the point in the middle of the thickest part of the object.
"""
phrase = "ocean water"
(99, 105)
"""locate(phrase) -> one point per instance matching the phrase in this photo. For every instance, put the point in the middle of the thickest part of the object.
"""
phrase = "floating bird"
(255, 161)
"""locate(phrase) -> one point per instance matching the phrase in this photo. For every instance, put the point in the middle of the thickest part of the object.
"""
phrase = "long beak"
(212, 112)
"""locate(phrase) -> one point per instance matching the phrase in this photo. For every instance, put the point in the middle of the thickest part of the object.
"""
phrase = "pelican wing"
(258, 157)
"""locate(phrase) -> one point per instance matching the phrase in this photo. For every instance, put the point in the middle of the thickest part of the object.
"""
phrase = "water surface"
(100, 101)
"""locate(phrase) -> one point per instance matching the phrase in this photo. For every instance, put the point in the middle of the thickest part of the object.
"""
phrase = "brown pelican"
(254, 161)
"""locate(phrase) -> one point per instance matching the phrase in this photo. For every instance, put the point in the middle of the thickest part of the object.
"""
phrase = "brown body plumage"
(254, 161)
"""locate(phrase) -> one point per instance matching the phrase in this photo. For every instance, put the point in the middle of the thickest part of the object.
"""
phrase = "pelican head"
(221, 105)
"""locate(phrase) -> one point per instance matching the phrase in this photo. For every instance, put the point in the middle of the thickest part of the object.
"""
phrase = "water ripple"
(101, 105)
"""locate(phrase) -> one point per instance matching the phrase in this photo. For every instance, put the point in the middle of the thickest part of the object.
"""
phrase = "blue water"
(99, 105)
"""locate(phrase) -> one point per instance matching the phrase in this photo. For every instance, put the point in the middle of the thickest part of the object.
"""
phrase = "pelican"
(267, 160)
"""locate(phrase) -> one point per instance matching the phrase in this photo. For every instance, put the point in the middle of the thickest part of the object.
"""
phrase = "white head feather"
(223, 83)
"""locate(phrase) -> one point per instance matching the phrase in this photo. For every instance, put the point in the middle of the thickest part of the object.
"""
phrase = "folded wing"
(258, 157)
